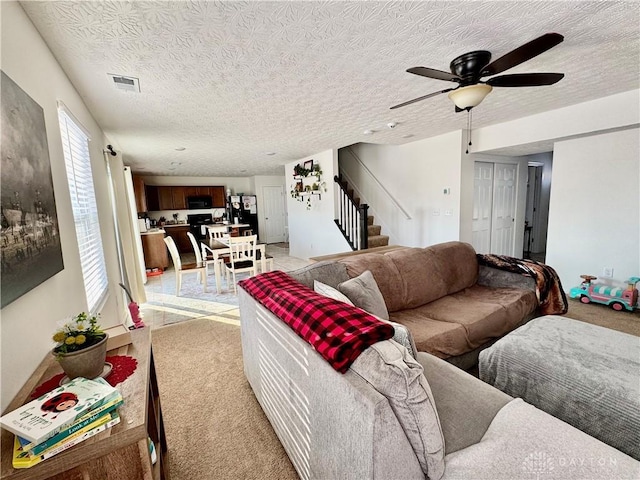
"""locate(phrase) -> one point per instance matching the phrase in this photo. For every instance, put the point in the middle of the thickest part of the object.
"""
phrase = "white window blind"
(75, 143)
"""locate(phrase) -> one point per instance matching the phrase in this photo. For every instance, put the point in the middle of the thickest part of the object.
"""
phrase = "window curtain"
(130, 246)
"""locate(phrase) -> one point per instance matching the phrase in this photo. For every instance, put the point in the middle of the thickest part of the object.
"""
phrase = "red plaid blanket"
(337, 331)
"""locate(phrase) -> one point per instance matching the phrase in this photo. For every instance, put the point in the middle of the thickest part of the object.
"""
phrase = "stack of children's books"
(60, 419)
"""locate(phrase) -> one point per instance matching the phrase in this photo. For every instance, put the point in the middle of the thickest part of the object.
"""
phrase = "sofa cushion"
(329, 273)
(411, 277)
(394, 373)
(363, 292)
(328, 291)
(457, 263)
(433, 336)
(481, 313)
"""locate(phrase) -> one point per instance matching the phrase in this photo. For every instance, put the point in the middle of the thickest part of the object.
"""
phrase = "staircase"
(373, 231)
(354, 222)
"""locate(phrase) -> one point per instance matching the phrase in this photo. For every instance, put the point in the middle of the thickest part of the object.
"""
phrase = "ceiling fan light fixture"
(470, 96)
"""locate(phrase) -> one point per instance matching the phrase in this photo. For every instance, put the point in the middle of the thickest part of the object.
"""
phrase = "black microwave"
(199, 201)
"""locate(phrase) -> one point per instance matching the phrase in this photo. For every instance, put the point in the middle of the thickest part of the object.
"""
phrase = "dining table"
(218, 253)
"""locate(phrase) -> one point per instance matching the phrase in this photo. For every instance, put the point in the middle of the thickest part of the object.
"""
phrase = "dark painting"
(29, 236)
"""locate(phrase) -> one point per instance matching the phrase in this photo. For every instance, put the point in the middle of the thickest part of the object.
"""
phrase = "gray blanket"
(586, 375)
(524, 443)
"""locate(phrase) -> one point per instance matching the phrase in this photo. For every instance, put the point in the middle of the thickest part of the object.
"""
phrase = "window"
(75, 144)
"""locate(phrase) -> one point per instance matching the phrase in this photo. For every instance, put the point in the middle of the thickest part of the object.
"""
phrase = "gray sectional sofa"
(395, 416)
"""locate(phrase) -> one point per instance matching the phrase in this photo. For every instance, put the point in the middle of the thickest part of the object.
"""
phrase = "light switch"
(436, 212)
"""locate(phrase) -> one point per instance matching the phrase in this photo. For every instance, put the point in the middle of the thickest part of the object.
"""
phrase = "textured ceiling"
(231, 81)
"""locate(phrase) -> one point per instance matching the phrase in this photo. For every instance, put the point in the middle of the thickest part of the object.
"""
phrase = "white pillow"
(329, 291)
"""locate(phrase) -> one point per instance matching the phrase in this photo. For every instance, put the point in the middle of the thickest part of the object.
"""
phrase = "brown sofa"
(453, 307)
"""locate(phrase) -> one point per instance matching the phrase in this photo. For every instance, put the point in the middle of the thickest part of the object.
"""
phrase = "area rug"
(214, 425)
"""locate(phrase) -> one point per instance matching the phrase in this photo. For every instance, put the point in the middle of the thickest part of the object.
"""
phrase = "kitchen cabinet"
(179, 235)
(175, 197)
(139, 194)
(151, 192)
(218, 196)
(179, 198)
(165, 199)
(154, 250)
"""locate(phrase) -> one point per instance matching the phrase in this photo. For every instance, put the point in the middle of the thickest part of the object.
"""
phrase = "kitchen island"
(154, 249)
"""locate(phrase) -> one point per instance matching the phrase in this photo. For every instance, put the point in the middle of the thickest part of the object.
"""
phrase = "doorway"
(537, 207)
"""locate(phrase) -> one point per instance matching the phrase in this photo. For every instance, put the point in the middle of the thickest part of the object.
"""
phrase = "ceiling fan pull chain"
(469, 125)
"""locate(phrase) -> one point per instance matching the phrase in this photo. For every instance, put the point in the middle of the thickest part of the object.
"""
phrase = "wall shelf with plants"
(309, 184)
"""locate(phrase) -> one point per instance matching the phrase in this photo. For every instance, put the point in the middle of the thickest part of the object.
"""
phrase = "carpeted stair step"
(378, 241)
(370, 220)
(373, 230)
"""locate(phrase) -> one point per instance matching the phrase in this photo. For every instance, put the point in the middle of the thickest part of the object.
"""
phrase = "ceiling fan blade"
(525, 79)
(421, 98)
(523, 53)
(433, 73)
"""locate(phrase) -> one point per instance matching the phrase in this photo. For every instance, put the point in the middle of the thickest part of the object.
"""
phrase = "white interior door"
(482, 206)
(274, 224)
(505, 177)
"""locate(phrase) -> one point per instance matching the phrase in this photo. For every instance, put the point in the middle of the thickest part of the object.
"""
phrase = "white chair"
(216, 233)
(208, 256)
(242, 257)
(181, 268)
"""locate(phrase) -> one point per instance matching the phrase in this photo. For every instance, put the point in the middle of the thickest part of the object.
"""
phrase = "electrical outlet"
(607, 272)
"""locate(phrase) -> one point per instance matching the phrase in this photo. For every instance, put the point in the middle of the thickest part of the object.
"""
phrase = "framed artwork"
(308, 165)
(29, 235)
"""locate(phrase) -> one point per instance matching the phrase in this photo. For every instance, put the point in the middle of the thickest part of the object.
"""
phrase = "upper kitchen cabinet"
(175, 197)
(218, 196)
(165, 198)
(153, 204)
(139, 194)
(179, 198)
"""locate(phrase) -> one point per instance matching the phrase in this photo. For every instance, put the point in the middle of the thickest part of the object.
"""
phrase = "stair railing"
(352, 217)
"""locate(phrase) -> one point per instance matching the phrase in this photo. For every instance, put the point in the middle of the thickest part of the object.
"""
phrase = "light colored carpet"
(214, 425)
(626, 322)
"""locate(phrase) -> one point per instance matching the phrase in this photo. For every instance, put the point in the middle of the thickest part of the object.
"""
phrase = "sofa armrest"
(494, 277)
(466, 406)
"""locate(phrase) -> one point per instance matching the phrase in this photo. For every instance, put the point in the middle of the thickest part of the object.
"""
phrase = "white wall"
(612, 112)
(28, 323)
(594, 217)
(313, 232)
(416, 175)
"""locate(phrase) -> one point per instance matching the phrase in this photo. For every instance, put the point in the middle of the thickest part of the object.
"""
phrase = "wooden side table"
(120, 453)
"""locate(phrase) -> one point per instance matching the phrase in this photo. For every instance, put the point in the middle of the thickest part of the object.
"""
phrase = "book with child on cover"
(43, 417)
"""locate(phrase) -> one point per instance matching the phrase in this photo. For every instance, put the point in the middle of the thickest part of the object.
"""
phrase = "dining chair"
(216, 233)
(181, 269)
(209, 258)
(242, 258)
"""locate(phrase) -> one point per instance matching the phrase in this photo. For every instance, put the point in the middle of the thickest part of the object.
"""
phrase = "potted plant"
(81, 347)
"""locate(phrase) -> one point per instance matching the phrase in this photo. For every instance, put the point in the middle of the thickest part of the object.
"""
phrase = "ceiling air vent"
(129, 84)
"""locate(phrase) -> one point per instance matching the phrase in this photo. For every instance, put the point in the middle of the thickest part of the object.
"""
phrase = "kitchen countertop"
(153, 231)
(176, 225)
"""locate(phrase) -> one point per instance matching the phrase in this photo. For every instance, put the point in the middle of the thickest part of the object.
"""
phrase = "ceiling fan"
(468, 69)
